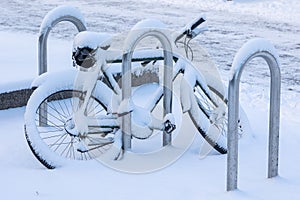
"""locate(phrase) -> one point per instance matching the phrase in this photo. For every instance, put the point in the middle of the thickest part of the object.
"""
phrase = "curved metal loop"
(59, 14)
(270, 56)
(131, 42)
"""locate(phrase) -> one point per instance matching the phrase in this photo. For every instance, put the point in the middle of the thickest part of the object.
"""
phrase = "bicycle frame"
(108, 76)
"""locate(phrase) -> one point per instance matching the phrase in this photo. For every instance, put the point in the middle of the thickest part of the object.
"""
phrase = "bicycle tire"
(40, 137)
(208, 104)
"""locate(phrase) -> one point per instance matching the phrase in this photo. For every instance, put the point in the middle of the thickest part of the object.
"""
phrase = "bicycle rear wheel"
(214, 107)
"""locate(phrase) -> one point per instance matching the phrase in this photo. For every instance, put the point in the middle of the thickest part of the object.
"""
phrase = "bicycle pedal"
(169, 127)
(169, 124)
(81, 147)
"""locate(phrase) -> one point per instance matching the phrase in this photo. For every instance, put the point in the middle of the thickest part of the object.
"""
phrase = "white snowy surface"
(57, 13)
(146, 28)
(250, 48)
(281, 10)
(22, 176)
(149, 23)
(91, 39)
(231, 24)
(18, 59)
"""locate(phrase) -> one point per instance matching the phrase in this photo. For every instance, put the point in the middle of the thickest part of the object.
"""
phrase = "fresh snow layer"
(13, 86)
(91, 39)
(279, 10)
(146, 28)
(231, 25)
(18, 59)
(22, 176)
(249, 49)
(149, 23)
(56, 13)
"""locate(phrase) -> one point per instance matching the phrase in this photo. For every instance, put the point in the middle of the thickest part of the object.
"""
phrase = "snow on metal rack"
(252, 49)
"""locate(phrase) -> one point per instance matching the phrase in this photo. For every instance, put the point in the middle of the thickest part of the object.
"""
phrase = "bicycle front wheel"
(48, 128)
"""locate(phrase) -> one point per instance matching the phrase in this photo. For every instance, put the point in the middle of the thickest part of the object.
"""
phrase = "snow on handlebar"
(194, 28)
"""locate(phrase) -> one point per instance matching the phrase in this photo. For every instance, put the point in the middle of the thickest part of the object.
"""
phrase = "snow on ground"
(19, 59)
(238, 21)
(231, 24)
(22, 176)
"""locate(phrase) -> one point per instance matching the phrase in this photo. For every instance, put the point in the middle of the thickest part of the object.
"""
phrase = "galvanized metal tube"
(43, 37)
(274, 116)
(167, 103)
(233, 114)
(126, 94)
(42, 48)
(232, 138)
(43, 117)
(126, 77)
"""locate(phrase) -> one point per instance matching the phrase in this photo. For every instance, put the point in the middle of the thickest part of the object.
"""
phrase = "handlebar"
(84, 56)
(194, 28)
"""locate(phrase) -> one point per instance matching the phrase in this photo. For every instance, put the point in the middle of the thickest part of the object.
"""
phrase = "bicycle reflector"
(84, 57)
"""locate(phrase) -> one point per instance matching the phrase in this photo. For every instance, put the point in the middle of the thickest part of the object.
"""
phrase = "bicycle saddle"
(85, 45)
(92, 40)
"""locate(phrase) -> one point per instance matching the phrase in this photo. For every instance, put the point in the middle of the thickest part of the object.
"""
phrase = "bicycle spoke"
(53, 136)
(63, 110)
(65, 104)
(61, 143)
(69, 144)
(90, 157)
(55, 109)
(54, 125)
(50, 131)
(59, 107)
(85, 156)
(95, 109)
(56, 142)
(99, 111)
(73, 149)
(53, 115)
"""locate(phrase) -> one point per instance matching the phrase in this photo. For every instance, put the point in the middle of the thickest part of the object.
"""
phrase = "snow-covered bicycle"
(77, 114)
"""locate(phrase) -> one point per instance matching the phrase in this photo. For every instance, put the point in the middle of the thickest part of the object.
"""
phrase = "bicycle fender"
(185, 96)
(65, 79)
(50, 78)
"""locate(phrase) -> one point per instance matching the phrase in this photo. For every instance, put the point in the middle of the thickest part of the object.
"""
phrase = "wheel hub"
(71, 128)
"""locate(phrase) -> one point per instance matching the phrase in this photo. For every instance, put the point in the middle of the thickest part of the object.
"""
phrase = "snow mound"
(55, 14)
(91, 39)
(249, 49)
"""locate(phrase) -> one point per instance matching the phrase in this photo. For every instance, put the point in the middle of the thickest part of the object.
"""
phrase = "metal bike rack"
(268, 53)
(126, 78)
(59, 14)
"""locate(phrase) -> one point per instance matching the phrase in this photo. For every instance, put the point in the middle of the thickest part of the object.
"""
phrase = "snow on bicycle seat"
(92, 40)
